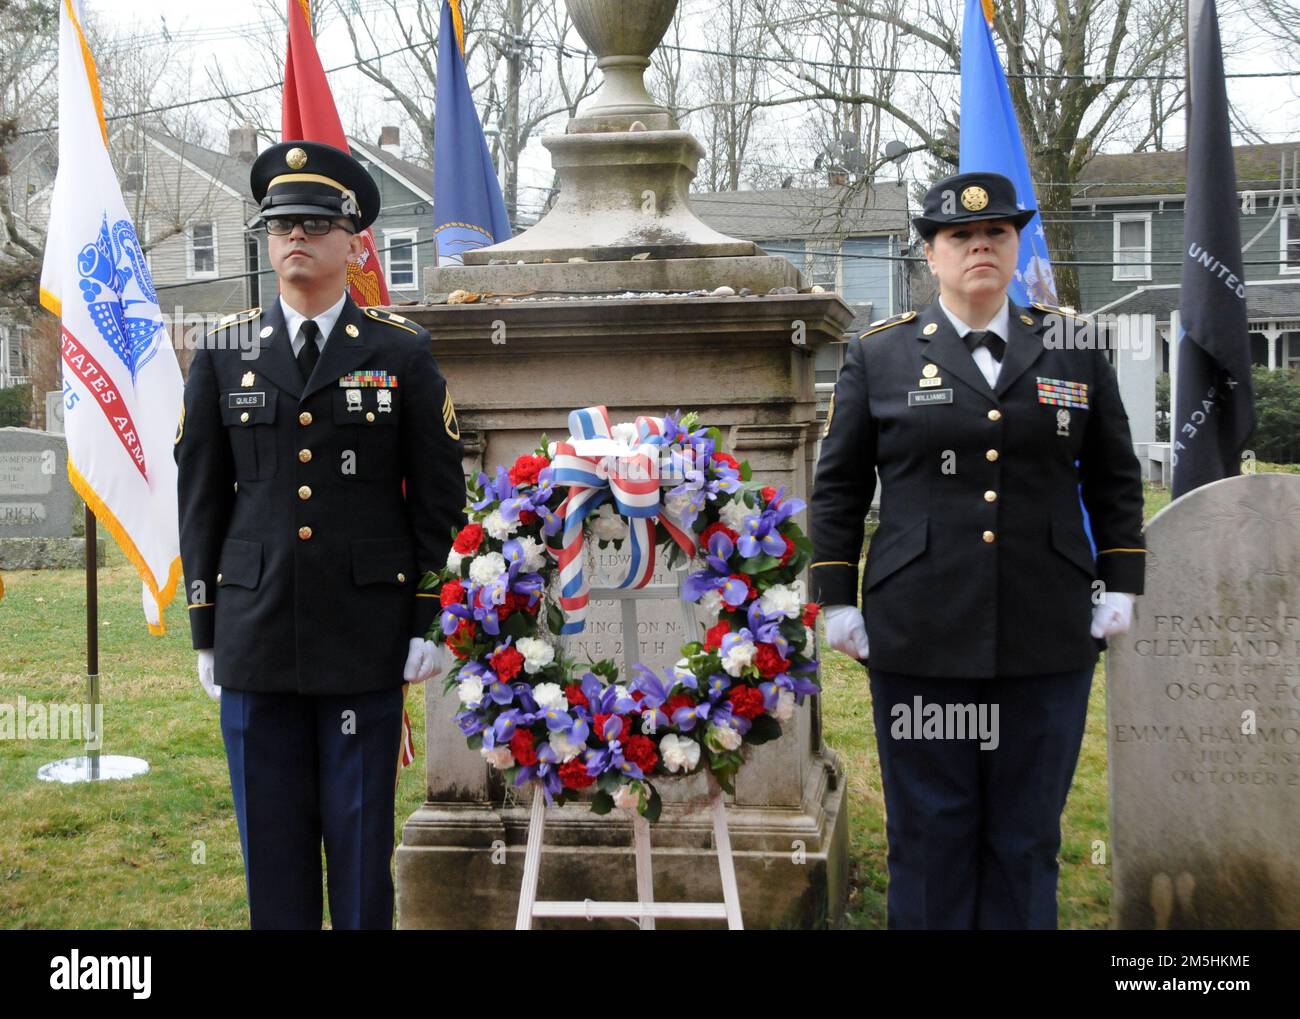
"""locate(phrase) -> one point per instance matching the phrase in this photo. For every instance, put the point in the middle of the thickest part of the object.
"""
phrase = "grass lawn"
(162, 851)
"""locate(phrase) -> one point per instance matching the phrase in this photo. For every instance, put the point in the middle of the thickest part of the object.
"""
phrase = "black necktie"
(310, 353)
(982, 338)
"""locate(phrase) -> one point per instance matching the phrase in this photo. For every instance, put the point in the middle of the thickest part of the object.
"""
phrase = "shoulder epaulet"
(388, 318)
(1052, 309)
(886, 323)
(235, 318)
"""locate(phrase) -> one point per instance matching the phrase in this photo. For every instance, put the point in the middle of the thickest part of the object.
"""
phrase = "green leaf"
(764, 730)
(518, 624)
(554, 618)
(609, 781)
(475, 742)
(759, 564)
(602, 803)
(654, 807)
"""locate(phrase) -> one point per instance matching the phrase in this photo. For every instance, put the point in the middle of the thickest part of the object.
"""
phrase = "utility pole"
(515, 44)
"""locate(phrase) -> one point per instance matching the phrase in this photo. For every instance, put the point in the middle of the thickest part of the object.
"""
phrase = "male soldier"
(318, 480)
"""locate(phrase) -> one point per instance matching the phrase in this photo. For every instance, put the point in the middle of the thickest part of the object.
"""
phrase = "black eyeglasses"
(316, 226)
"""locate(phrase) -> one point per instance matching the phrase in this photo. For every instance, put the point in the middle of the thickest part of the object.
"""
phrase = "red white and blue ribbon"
(596, 467)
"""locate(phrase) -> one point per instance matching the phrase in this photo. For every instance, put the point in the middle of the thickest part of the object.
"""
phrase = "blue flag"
(990, 143)
(467, 208)
(1214, 410)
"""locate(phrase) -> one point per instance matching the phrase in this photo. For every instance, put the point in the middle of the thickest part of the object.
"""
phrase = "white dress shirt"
(1000, 324)
(293, 321)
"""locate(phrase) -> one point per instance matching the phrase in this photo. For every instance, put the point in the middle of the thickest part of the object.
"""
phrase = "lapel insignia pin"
(1026, 320)
(352, 330)
(930, 371)
(266, 332)
(930, 330)
(247, 380)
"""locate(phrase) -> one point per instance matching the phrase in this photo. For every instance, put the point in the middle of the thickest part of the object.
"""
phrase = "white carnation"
(607, 525)
(784, 710)
(741, 655)
(676, 505)
(470, 691)
(711, 603)
(733, 514)
(725, 736)
(565, 748)
(782, 599)
(486, 568)
(453, 561)
(534, 554)
(679, 753)
(537, 655)
(549, 695)
(498, 526)
(498, 757)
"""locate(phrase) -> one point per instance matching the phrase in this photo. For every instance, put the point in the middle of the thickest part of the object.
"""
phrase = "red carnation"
(521, 745)
(640, 750)
(746, 701)
(810, 612)
(789, 550)
(677, 702)
(469, 539)
(527, 517)
(453, 593)
(462, 638)
(717, 528)
(726, 458)
(713, 636)
(526, 468)
(576, 697)
(769, 493)
(574, 774)
(506, 663)
(769, 660)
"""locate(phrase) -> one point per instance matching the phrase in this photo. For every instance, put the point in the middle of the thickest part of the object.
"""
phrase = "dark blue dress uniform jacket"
(980, 566)
(301, 552)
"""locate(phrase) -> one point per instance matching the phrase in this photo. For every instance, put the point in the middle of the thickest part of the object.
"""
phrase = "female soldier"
(983, 601)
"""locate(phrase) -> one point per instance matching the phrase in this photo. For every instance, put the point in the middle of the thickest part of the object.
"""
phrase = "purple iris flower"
(766, 628)
(498, 489)
(534, 501)
(470, 721)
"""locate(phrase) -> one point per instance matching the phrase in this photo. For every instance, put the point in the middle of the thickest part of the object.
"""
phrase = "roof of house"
(1117, 175)
(794, 213)
(417, 177)
(228, 170)
(1264, 300)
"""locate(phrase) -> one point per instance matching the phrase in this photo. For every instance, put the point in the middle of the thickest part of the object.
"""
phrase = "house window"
(1290, 254)
(400, 259)
(22, 344)
(823, 264)
(1132, 246)
(201, 257)
(252, 256)
(4, 356)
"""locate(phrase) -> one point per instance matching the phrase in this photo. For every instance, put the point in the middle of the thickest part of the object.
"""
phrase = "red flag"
(310, 114)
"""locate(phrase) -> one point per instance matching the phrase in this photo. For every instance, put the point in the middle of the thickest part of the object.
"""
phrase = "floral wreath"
(514, 586)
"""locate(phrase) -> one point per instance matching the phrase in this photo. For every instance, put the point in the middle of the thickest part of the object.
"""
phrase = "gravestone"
(54, 412)
(1203, 716)
(35, 495)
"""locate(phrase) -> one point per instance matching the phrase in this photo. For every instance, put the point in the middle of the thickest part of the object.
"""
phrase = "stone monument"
(37, 503)
(1203, 716)
(609, 299)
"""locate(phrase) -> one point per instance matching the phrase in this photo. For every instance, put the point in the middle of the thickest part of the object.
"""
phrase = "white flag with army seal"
(122, 385)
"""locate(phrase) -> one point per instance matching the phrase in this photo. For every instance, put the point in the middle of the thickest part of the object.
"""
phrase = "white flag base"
(88, 769)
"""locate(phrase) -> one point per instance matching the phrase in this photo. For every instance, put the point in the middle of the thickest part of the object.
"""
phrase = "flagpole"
(93, 737)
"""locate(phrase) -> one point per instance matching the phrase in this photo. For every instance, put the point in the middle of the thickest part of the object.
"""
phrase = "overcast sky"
(211, 32)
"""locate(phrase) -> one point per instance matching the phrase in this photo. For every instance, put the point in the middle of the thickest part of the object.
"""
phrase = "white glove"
(207, 674)
(1113, 615)
(845, 630)
(423, 661)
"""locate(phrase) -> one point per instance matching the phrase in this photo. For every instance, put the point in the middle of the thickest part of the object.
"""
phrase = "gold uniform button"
(988, 537)
(304, 456)
(304, 492)
(218, 578)
(990, 496)
(401, 578)
(244, 417)
(370, 415)
(304, 418)
(991, 455)
(995, 415)
(304, 533)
